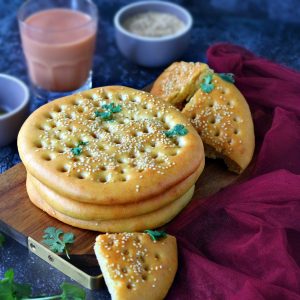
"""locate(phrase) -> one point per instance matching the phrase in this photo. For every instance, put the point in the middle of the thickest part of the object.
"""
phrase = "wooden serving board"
(24, 222)
(21, 219)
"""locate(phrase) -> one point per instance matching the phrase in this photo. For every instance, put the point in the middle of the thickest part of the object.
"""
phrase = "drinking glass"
(58, 39)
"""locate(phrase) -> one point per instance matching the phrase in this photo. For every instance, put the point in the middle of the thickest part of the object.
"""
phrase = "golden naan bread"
(150, 220)
(109, 146)
(216, 108)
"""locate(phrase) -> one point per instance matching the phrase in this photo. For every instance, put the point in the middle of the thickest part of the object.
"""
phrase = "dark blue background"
(268, 28)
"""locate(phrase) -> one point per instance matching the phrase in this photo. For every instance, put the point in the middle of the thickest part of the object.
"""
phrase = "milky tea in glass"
(58, 43)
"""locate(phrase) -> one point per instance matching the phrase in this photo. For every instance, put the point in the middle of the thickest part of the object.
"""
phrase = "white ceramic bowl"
(14, 98)
(152, 51)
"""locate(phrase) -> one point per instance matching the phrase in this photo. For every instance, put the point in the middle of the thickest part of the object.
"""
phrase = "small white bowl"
(14, 97)
(152, 51)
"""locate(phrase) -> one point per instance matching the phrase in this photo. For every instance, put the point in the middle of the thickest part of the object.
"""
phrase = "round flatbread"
(110, 145)
(89, 211)
(139, 223)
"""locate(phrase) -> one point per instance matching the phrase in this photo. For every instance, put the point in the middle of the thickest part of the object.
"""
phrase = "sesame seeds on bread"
(178, 83)
(136, 267)
(127, 158)
(92, 212)
(223, 120)
(217, 110)
(153, 219)
(111, 159)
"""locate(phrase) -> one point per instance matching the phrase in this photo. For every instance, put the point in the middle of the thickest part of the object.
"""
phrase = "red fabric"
(243, 243)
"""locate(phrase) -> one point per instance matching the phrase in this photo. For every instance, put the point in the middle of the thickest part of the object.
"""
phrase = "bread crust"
(221, 116)
(151, 220)
(150, 165)
(178, 83)
(223, 120)
(90, 211)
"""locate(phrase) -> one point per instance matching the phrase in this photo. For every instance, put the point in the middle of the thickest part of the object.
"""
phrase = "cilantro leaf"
(106, 106)
(229, 77)
(97, 113)
(178, 129)
(116, 109)
(206, 85)
(52, 238)
(22, 290)
(156, 235)
(109, 110)
(10, 290)
(9, 275)
(69, 292)
(50, 232)
(58, 232)
(106, 115)
(72, 292)
(68, 238)
(111, 107)
(2, 240)
(78, 149)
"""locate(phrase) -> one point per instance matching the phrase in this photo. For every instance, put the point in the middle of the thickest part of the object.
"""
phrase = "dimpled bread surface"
(135, 267)
(123, 160)
(221, 116)
(223, 120)
(89, 211)
(150, 220)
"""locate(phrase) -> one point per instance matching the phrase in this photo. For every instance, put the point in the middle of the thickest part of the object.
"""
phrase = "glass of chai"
(58, 39)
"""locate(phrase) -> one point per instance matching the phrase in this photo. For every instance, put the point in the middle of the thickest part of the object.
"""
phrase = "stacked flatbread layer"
(110, 159)
(215, 107)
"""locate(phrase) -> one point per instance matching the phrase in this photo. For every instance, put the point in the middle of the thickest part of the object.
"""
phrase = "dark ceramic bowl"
(152, 51)
(14, 100)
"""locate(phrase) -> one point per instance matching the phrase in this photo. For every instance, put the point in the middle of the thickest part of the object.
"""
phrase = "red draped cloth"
(243, 243)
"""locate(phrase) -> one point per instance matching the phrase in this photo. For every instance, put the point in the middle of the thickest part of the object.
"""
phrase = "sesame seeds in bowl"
(153, 24)
(146, 28)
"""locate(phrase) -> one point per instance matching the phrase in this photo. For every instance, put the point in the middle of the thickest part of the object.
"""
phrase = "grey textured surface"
(268, 28)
